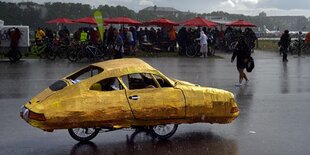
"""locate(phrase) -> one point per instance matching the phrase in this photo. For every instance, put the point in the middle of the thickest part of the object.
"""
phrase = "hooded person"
(203, 43)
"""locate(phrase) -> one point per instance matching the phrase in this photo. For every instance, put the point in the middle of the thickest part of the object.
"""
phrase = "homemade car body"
(125, 93)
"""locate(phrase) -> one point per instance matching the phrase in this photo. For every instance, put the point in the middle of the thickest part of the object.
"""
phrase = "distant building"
(162, 12)
(218, 19)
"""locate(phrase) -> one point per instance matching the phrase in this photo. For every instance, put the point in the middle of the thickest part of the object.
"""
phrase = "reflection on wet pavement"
(274, 110)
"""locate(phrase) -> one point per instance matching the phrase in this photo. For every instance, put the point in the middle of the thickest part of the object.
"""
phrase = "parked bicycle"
(40, 50)
(88, 51)
(60, 51)
(192, 50)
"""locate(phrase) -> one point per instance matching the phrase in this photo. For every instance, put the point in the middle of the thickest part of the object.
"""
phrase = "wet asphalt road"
(274, 117)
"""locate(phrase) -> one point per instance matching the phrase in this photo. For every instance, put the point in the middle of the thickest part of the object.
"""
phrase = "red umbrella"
(86, 20)
(161, 22)
(60, 20)
(241, 23)
(199, 21)
(122, 20)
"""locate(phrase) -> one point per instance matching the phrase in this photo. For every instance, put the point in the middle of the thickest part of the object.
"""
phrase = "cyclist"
(83, 36)
(39, 36)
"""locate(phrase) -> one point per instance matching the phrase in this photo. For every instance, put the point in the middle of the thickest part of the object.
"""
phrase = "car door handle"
(134, 97)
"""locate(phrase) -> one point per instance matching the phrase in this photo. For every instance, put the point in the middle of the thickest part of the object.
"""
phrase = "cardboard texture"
(85, 104)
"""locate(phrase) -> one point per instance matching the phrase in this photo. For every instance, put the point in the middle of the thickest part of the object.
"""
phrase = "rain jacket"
(203, 38)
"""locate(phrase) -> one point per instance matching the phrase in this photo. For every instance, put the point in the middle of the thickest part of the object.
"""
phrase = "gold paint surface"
(78, 106)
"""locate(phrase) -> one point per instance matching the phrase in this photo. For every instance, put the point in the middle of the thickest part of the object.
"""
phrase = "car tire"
(163, 131)
(83, 134)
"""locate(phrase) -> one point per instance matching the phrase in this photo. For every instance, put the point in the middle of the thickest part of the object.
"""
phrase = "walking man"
(285, 42)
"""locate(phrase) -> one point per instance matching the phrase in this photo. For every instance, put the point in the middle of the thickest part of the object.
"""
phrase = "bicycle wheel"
(191, 51)
(83, 134)
(72, 56)
(51, 54)
(163, 131)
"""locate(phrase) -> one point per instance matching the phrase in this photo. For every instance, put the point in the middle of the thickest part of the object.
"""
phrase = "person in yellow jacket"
(40, 35)
(83, 36)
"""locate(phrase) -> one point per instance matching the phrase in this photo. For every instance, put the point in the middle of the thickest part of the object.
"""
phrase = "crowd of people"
(128, 39)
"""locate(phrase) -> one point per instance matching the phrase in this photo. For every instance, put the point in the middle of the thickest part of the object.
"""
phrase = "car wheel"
(83, 134)
(163, 131)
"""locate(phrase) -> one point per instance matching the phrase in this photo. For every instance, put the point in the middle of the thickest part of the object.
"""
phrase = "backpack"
(250, 65)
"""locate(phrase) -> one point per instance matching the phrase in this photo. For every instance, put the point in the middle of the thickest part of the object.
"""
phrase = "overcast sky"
(248, 7)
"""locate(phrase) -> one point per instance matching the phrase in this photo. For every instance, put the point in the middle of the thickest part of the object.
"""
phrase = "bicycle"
(60, 51)
(72, 54)
(39, 50)
(192, 50)
(89, 51)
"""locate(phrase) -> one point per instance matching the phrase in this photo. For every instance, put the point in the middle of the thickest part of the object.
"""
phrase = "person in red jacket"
(15, 35)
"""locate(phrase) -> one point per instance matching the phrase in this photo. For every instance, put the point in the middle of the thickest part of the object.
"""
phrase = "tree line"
(35, 15)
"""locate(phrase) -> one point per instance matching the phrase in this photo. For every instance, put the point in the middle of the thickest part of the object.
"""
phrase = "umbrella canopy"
(241, 23)
(86, 20)
(60, 20)
(122, 20)
(161, 22)
(199, 21)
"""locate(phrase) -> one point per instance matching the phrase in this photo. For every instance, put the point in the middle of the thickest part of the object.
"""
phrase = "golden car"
(125, 93)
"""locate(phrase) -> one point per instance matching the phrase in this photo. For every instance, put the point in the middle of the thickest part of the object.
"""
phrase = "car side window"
(109, 84)
(162, 82)
(139, 81)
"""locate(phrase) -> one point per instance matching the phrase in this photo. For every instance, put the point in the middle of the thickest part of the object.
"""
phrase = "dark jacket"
(242, 52)
(285, 40)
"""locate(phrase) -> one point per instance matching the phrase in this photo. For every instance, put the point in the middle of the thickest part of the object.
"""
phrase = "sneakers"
(238, 84)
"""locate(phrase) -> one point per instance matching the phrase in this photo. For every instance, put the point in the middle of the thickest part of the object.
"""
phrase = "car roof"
(124, 64)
